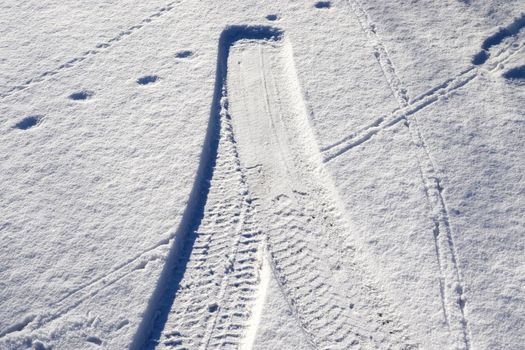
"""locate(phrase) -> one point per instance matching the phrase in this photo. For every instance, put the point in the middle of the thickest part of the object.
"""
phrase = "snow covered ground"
(262, 175)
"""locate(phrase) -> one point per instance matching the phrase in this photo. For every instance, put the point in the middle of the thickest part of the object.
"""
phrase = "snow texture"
(262, 175)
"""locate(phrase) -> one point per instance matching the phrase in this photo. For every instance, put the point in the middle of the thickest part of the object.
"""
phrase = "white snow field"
(189, 174)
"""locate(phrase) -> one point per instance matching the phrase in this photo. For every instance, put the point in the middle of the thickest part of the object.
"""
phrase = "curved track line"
(297, 210)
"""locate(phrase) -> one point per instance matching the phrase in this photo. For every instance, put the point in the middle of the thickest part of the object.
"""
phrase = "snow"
(262, 174)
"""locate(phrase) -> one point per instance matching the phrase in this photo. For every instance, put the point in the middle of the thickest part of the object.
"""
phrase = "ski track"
(450, 282)
(408, 107)
(98, 49)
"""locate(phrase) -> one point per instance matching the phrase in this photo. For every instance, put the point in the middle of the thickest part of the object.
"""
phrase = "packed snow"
(188, 174)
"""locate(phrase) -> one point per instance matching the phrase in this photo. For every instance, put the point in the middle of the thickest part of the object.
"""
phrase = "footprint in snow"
(94, 339)
(147, 79)
(28, 122)
(515, 74)
(81, 95)
(323, 4)
(184, 54)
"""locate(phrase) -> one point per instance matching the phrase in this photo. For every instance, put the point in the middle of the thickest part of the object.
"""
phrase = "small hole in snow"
(184, 54)
(272, 17)
(81, 95)
(93, 339)
(322, 4)
(28, 122)
(213, 307)
(147, 79)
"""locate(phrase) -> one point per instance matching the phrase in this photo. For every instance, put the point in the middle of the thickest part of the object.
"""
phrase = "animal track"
(147, 79)
(99, 48)
(18, 326)
(81, 95)
(38, 345)
(516, 73)
(497, 38)
(323, 4)
(28, 122)
(480, 58)
(184, 54)
(94, 339)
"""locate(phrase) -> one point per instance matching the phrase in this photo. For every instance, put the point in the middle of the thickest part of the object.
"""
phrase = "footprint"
(94, 339)
(516, 73)
(213, 307)
(272, 17)
(147, 79)
(322, 4)
(480, 58)
(184, 54)
(28, 122)
(81, 95)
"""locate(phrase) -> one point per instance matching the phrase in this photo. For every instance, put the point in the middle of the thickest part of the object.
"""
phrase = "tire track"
(217, 270)
(333, 305)
(98, 49)
(205, 298)
(204, 295)
(306, 236)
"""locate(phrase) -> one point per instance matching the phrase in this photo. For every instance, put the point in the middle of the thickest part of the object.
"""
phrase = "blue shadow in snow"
(28, 122)
(164, 295)
(184, 54)
(147, 79)
(323, 5)
(81, 95)
(497, 38)
(515, 73)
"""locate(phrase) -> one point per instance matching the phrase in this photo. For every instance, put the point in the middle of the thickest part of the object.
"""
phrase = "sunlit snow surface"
(262, 175)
